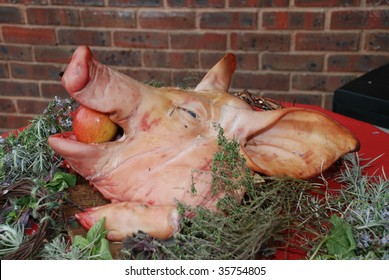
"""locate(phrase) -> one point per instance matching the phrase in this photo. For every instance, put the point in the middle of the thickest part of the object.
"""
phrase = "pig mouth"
(70, 135)
(87, 159)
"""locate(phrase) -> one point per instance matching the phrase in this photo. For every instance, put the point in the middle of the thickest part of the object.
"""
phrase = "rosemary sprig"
(26, 154)
(362, 210)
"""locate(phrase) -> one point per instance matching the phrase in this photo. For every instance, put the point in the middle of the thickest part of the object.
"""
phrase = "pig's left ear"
(219, 77)
(293, 142)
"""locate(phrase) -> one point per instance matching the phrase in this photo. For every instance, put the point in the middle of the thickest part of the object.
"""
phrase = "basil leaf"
(104, 252)
(62, 181)
(80, 242)
(96, 232)
(340, 242)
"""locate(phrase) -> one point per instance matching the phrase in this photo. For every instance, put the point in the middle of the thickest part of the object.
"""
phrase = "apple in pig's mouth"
(90, 126)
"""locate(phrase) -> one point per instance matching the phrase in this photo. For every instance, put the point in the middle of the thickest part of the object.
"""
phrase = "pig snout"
(100, 88)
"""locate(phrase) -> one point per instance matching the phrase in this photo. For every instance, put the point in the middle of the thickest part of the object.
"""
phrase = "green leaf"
(104, 252)
(80, 242)
(94, 245)
(11, 217)
(97, 231)
(340, 242)
(70, 179)
(62, 181)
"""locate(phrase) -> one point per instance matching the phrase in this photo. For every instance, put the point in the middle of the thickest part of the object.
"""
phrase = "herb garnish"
(92, 247)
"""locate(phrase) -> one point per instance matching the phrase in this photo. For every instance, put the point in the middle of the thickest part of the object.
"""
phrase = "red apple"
(90, 126)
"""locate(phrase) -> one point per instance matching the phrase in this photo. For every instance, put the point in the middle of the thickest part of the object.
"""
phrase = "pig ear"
(294, 142)
(219, 77)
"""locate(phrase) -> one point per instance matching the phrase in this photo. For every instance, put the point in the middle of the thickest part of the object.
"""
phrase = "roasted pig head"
(170, 132)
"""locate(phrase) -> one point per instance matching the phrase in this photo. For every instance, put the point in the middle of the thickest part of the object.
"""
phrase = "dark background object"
(366, 98)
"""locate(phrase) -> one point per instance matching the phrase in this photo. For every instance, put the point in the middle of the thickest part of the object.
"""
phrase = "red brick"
(32, 36)
(11, 15)
(292, 62)
(293, 20)
(57, 54)
(371, 19)
(84, 37)
(4, 70)
(136, 3)
(209, 59)
(196, 3)
(144, 75)
(7, 105)
(209, 41)
(13, 52)
(245, 61)
(187, 79)
(356, 62)
(268, 81)
(326, 3)
(376, 3)
(35, 71)
(320, 82)
(178, 60)
(78, 2)
(167, 20)
(260, 41)
(377, 41)
(50, 90)
(327, 41)
(228, 20)
(13, 121)
(53, 16)
(31, 106)
(299, 98)
(18, 88)
(26, 2)
(115, 57)
(258, 3)
(141, 39)
(108, 18)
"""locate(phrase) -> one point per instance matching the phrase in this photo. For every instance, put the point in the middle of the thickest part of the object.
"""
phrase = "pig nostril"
(61, 73)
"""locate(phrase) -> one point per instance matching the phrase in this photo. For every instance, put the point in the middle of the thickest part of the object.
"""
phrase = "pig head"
(168, 133)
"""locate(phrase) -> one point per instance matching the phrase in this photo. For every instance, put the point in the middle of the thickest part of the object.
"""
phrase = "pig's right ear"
(219, 77)
(293, 142)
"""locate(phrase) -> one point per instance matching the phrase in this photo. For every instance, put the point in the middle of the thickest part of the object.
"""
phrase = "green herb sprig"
(26, 154)
(360, 229)
(32, 183)
(92, 247)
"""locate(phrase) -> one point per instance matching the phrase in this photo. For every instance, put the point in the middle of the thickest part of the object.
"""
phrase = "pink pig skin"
(170, 138)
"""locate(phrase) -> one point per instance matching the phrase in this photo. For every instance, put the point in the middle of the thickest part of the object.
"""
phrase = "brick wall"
(291, 50)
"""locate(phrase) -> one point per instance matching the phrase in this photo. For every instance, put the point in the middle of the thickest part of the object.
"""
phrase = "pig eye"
(193, 114)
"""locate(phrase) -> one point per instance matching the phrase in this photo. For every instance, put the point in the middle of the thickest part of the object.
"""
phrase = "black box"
(366, 98)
